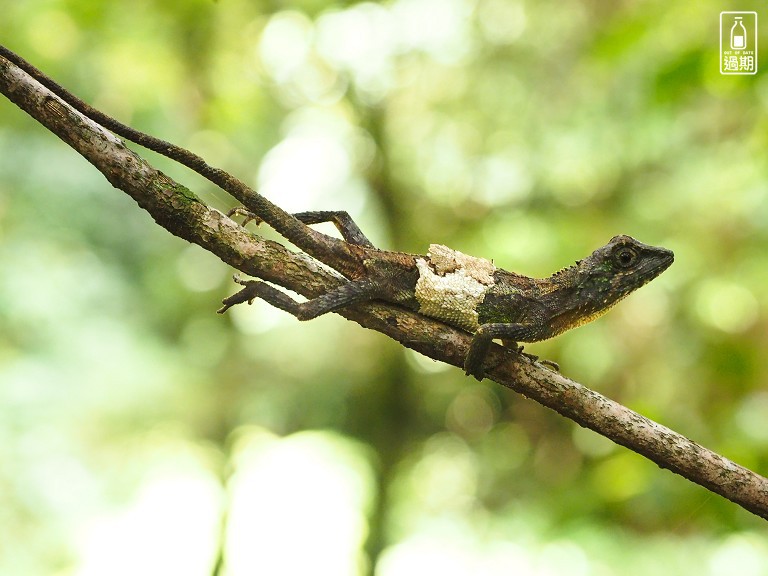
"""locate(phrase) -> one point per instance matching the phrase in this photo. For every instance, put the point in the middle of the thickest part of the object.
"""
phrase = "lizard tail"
(316, 244)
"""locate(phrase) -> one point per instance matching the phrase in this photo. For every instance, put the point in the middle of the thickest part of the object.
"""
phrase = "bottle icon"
(738, 35)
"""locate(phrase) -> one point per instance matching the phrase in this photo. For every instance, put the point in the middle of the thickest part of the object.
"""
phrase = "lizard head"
(577, 294)
(620, 267)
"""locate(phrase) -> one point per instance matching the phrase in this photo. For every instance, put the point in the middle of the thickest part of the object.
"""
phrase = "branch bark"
(179, 211)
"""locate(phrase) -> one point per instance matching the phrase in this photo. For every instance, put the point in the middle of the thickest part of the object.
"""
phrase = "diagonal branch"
(178, 210)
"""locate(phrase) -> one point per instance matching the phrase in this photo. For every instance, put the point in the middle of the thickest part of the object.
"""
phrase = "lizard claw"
(247, 214)
(554, 366)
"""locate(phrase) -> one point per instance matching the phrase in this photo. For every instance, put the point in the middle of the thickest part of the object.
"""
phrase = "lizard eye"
(625, 257)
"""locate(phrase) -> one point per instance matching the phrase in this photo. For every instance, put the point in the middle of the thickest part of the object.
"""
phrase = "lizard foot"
(247, 215)
(247, 294)
(554, 366)
(473, 363)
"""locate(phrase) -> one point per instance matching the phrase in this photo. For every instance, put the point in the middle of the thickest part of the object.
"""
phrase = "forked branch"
(177, 209)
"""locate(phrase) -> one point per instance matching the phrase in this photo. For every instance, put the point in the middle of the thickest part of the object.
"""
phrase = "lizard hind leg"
(346, 294)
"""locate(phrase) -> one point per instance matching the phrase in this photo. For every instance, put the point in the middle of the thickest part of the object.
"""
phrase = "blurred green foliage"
(138, 429)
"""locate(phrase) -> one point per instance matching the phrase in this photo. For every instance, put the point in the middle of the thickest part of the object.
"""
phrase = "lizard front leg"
(344, 223)
(344, 295)
(485, 334)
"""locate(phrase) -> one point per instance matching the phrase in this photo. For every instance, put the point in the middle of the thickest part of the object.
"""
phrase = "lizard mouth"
(659, 262)
(667, 257)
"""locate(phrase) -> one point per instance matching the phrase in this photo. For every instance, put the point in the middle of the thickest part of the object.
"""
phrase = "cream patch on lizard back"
(451, 285)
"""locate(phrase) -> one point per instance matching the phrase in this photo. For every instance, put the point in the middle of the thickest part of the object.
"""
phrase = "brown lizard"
(466, 292)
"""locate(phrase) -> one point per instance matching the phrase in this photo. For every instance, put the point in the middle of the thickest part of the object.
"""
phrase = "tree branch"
(178, 210)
